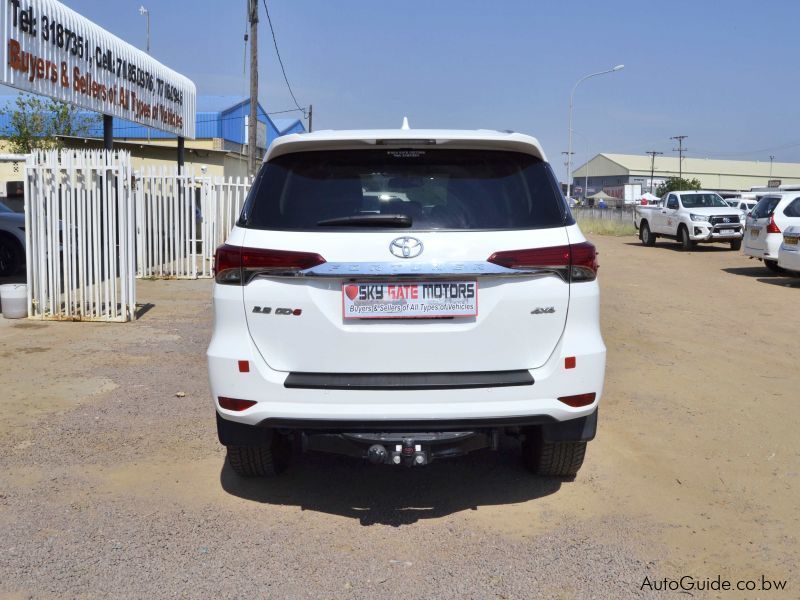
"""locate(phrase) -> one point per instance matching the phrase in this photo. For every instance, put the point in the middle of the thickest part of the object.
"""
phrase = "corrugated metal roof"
(284, 125)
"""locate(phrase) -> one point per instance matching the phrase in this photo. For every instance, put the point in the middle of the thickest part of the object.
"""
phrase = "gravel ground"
(113, 486)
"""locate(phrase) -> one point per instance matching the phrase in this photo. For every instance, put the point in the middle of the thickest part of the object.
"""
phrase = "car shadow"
(676, 246)
(790, 282)
(757, 271)
(395, 496)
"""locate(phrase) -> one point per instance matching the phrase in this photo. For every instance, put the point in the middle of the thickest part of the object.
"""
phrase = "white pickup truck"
(690, 218)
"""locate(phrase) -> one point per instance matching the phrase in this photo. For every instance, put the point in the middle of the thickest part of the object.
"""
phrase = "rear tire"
(736, 244)
(10, 256)
(772, 265)
(553, 459)
(685, 240)
(261, 461)
(647, 237)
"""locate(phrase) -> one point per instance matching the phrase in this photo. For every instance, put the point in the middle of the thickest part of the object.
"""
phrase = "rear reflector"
(235, 265)
(578, 400)
(235, 403)
(244, 366)
(578, 262)
(570, 362)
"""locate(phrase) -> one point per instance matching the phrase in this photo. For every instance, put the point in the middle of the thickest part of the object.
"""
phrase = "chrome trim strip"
(367, 270)
(415, 270)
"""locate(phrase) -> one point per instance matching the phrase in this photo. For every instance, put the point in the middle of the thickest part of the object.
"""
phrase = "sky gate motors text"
(415, 291)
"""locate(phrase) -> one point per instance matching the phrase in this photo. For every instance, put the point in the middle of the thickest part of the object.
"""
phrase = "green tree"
(677, 184)
(34, 123)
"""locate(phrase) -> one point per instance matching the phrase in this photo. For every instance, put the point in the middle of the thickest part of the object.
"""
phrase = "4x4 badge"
(543, 310)
(405, 247)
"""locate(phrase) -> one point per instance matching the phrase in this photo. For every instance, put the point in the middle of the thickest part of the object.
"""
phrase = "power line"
(288, 110)
(280, 61)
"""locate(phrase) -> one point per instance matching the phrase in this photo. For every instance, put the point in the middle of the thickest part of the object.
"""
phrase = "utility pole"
(567, 161)
(252, 127)
(653, 154)
(310, 117)
(680, 150)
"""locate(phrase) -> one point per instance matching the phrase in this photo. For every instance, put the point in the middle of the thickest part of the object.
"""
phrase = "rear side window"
(793, 210)
(426, 188)
(765, 207)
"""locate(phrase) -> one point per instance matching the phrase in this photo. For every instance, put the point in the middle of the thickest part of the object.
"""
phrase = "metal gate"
(222, 200)
(167, 224)
(79, 234)
(181, 219)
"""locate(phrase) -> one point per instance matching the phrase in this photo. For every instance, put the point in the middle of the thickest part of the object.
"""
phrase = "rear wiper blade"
(369, 221)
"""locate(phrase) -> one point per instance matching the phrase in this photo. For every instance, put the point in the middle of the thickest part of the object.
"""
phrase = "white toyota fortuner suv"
(405, 295)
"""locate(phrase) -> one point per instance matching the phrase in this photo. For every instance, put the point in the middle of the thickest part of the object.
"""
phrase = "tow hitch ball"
(408, 453)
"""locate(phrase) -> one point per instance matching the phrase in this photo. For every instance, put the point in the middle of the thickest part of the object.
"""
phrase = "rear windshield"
(703, 201)
(405, 189)
(765, 207)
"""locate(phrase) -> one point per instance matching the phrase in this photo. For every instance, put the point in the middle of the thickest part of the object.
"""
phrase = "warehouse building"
(611, 172)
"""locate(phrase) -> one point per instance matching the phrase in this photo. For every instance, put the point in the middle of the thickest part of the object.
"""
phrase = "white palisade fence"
(93, 226)
(79, 233)
(222, 200)
(167, 224)
(181, 219)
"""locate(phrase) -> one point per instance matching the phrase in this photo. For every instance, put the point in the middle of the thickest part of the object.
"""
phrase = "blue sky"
(723, 73)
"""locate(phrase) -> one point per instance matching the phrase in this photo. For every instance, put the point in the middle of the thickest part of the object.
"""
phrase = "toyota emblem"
(405, 247)
(726, 220)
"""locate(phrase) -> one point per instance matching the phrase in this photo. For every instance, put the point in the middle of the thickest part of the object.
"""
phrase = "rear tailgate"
(519, 322)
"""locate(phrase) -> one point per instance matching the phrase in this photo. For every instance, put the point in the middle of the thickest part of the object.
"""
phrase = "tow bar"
(408, 449)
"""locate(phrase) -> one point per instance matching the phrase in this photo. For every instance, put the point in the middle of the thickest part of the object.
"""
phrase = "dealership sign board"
(50, 49)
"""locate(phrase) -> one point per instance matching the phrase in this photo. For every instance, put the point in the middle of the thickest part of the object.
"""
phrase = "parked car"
(766, 223)
(341, 330)
(690, 217)
(12, 240)
(789, 251)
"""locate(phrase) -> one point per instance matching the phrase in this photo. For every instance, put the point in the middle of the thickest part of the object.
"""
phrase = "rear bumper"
(789, 257)
(279, 403)
(769, 249)
(231, 433)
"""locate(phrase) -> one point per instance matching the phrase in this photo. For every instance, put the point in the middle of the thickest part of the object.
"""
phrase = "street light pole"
(146, 13)
(571, 97)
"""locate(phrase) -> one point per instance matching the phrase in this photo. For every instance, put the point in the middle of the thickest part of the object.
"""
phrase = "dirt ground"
(113, 486)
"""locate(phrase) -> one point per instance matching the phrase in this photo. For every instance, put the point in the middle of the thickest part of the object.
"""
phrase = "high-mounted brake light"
(234, 265)
(577, 262)
(773, 227)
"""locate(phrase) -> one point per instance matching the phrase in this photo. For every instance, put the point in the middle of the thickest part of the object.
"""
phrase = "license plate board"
(754, 231)
(727, 231)
(409, 300)
(792, 241)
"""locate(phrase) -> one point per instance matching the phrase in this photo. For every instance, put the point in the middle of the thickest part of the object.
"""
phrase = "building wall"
(722, 175)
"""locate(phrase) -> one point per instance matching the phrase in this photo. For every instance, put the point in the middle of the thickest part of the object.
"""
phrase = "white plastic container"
(14, 299)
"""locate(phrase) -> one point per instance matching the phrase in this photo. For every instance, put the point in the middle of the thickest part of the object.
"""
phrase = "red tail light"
(234, 265)
(578, 262)
(235, 403)
(772, 227)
